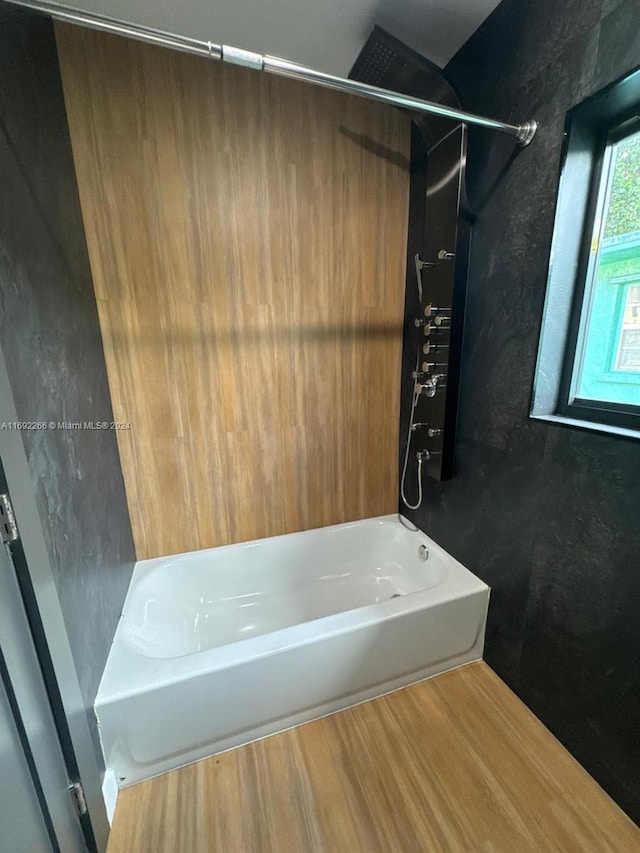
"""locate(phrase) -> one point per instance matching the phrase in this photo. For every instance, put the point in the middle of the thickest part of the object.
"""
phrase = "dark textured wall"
(53, 349)
(548, 516)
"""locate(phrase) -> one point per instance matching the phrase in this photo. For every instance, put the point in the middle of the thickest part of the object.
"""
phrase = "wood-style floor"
(456, 763)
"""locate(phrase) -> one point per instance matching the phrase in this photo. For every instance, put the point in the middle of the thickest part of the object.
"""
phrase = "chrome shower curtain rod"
(523, 133)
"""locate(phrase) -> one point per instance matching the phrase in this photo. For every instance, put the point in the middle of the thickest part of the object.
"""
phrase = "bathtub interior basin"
(186, 604)
(219, 647)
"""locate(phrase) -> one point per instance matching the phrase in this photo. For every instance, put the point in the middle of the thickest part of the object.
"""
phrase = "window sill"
(576, 423)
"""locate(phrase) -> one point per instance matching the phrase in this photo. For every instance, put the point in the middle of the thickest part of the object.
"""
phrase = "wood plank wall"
(247, 239)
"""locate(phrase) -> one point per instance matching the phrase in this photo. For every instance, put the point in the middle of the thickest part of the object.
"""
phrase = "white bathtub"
(217, 648)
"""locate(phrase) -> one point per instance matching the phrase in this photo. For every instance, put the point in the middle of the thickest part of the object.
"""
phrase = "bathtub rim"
(393, 518)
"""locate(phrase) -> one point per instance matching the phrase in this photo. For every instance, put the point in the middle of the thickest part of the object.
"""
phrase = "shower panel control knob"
(431, 387)
(430, 310)
(443, 255)
(438, 320)
(430, 366)
(430, 347)
(419, 321)
(428, 388)
(433, 433)
(440, 381)
(436, 324)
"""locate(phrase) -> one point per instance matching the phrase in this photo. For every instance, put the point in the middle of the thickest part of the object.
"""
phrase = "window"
(606, 366)
(628, 350)
(588, 371)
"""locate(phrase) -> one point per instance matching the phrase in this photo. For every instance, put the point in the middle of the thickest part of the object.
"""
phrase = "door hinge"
(77, 796)
(8, 526)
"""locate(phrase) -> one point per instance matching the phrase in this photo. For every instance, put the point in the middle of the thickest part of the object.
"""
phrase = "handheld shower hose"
(414, 401)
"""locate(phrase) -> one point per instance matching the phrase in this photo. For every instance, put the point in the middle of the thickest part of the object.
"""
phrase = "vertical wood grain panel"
(247, 239)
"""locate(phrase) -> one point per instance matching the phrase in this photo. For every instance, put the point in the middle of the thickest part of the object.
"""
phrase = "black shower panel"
(438, 243)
